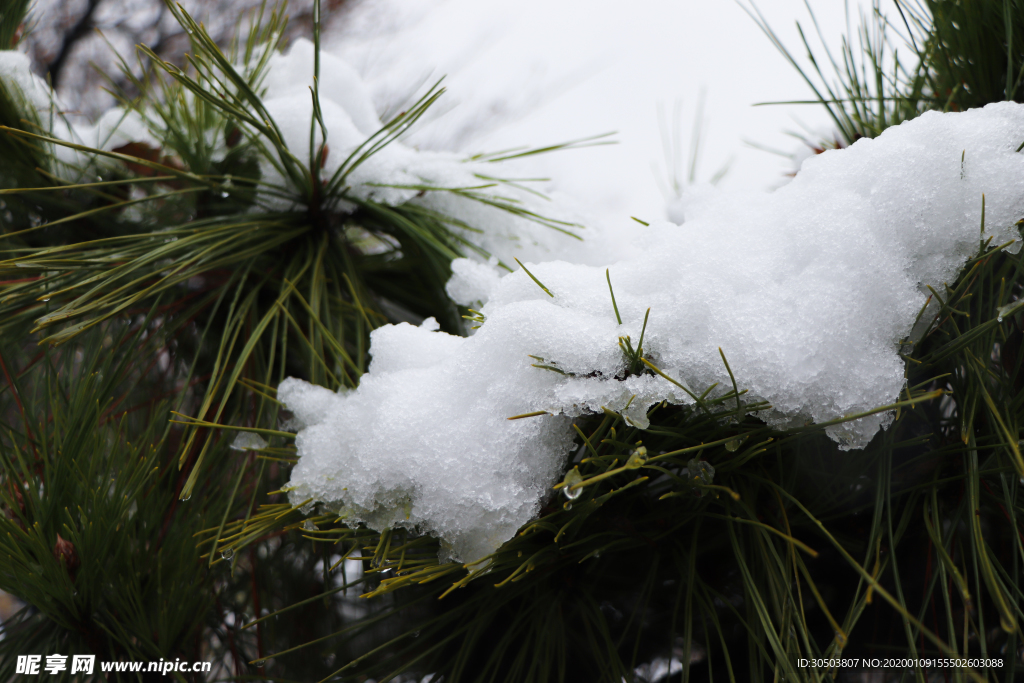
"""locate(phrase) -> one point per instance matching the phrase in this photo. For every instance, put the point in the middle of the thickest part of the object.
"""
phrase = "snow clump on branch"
(396, 174)
(809, 291)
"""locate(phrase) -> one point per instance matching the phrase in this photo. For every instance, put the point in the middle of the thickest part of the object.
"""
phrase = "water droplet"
(248, 441)
(701, 472)
(1009, 309)
(999, 319)
(733, 445)
(572, 477)
(309, 526)
(187, 498)
(637, 458)
(227, 553)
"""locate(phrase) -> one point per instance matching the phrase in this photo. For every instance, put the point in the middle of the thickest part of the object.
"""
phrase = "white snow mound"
(808, 291)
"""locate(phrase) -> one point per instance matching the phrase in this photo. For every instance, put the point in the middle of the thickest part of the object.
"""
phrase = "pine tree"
(154, 295)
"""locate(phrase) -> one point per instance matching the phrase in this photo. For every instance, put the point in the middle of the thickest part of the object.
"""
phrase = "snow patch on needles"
(115, 128)
(448, 183)
(517, 221)
(808, 290)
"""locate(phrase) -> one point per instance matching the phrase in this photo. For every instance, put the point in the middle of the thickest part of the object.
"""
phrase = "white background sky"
(540, 71)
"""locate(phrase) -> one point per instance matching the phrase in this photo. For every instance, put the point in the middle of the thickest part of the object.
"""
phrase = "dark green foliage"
(974, 51)
(13, 14)
(948, 55)
(94, 538)
(304, 294)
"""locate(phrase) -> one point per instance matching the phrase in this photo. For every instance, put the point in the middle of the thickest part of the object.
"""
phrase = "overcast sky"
(540, 71)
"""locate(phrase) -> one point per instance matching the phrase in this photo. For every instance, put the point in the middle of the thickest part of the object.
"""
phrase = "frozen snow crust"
(808, 291)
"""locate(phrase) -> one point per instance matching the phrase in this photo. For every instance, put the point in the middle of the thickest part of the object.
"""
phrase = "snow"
(115, 128)
(289, 74)
(395, 174)
(809, 292)
(16, 68)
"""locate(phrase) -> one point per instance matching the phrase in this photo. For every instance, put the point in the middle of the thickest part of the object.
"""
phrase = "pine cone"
(64, 552)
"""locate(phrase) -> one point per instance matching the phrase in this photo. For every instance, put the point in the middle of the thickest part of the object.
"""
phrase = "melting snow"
(808, 290)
